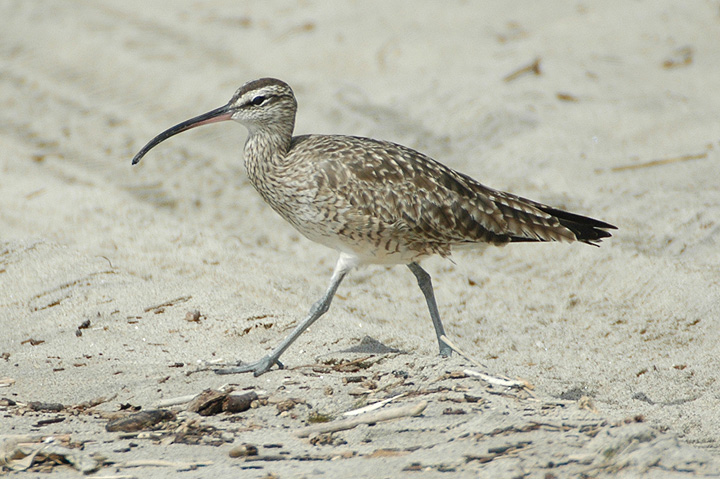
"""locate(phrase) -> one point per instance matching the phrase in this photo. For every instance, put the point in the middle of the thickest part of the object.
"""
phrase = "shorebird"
(374, 201)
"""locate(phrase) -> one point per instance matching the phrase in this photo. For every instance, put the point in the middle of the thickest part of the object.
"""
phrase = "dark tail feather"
(587, 230)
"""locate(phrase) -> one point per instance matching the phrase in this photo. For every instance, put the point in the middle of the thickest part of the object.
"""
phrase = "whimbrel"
(373, 201)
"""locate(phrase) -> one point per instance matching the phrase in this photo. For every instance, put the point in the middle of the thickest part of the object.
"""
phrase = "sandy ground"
(620, 343)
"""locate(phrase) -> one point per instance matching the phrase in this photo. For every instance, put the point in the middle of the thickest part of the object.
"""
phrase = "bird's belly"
(370, 245)
(366, 250)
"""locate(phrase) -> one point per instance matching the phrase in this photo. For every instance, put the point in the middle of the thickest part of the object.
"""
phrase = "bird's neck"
(266, 151)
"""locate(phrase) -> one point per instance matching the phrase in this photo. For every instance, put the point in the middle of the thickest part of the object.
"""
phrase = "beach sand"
(617, 347)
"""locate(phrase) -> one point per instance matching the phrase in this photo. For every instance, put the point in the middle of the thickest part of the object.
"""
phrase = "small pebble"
(243, 450)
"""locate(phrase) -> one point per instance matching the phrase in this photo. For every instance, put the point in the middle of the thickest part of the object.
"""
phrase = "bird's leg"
(343, 266)
(425, 283)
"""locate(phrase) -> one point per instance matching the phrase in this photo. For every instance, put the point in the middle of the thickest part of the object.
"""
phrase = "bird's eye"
(258, 100)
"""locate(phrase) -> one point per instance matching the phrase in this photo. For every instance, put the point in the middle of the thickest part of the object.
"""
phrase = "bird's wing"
(401, 189)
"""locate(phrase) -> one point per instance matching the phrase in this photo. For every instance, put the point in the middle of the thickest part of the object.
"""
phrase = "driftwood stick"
(342, 425)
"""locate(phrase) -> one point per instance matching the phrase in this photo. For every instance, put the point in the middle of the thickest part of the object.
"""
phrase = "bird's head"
(264, 104)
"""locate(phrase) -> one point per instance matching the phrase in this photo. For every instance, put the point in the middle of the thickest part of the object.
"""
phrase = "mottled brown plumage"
(373, 201)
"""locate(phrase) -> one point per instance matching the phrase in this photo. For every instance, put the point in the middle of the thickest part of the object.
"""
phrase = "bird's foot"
(445, 350)
(257, 368)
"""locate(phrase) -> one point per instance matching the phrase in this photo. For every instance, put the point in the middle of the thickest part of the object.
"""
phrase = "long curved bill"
(219, 114)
